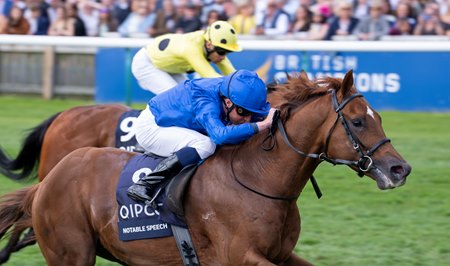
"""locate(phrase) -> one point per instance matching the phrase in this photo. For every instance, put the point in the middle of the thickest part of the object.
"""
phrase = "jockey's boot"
(145, 190)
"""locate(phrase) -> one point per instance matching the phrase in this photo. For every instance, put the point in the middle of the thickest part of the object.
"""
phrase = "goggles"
(242, 111)
(221, 51)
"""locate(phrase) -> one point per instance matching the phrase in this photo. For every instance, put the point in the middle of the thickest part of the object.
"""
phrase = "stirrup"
(152, 202)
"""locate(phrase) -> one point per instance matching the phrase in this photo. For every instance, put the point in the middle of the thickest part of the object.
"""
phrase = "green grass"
(354, 223)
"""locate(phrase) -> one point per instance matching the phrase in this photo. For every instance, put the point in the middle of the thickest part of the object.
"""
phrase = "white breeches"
(164, 141)
(150, 77)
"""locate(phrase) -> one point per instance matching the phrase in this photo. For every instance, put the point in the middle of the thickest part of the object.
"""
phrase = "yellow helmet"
(222, 34)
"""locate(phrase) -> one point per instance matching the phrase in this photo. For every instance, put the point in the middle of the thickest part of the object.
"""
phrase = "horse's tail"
(28, 156)
(15, 209)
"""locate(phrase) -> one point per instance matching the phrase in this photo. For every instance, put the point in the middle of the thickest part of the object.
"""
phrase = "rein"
(365, 158)
(254, 190)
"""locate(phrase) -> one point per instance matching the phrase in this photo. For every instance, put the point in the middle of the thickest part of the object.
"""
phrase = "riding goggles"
(221, 51)
(242, 111)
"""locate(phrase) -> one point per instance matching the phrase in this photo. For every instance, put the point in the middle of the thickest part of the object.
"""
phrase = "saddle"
(175, 190)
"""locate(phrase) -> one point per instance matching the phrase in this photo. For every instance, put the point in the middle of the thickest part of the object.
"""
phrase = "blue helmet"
(245, 89)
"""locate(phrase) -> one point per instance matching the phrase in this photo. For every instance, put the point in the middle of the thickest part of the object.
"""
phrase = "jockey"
(186, 123)
(163, 63)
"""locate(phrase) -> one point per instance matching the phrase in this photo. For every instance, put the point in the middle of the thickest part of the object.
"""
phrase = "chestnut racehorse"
(241, 204)
(49, 142)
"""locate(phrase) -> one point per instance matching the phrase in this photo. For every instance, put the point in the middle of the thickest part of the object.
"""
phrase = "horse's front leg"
(295, 260)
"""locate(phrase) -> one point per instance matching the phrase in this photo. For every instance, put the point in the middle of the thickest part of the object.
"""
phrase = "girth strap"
(185, 246)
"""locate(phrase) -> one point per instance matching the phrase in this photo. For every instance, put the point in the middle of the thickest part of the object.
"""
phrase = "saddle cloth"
(136, 220)
(125, 134)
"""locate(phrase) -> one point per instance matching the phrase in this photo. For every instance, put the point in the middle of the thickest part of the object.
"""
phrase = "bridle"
(364, 163)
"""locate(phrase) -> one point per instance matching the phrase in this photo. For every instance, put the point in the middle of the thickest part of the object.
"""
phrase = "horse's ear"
(289, 77)
(347, 82)
(303, 75)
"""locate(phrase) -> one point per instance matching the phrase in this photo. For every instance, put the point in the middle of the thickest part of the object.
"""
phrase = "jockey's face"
(216, 55)
(235, 117)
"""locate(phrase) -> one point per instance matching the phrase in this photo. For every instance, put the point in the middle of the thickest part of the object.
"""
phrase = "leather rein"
(364, 163)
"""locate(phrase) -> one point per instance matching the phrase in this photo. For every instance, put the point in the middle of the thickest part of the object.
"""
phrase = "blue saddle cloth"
(136, 220)
(125, 134)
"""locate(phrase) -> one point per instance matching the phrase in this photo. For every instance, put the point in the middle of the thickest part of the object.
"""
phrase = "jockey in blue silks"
(186, 123)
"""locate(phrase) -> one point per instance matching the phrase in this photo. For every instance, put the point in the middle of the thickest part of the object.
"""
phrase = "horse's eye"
(357, 122)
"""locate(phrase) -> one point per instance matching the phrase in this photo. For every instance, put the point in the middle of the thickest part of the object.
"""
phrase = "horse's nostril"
(400, 170)
(397, 169)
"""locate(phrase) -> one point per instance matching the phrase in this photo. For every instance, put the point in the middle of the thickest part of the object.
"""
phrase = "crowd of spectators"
(300, 19)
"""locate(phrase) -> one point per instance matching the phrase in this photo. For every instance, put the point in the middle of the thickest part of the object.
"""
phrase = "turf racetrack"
(354, 223)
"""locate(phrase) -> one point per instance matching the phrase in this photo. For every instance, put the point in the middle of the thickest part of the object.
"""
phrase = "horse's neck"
(281, 171)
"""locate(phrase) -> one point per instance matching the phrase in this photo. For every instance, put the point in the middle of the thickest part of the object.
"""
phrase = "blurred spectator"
(106, 23)
(324, 7)
(302, 20)
(291, 6)
(244, 21)
(405, 11)
(189, 20)
(229, 9)
(38, 19)
(139, 21)
(401, 27)
(445, 19)
(361, 9)
(14, 23)
(275, 21)
(372, 27)
(212, 17)
(121, 10)
(62, 25)
(108, 16)
(51, 8)
(166, 18)
(343, 23)
(209, 5)
(415, 6)
(387, 12)
(78, 24)
(404, 22)
(319, 26)
(428, 22)
(90, 15)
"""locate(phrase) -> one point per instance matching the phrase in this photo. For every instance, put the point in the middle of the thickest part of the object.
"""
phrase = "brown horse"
(49, 142)
(241, 205)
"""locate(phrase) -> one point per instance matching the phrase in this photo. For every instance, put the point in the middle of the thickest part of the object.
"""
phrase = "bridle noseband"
(364, 163)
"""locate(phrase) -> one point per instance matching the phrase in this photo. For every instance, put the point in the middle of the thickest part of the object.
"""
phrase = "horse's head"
(358, 136)
(352, 133)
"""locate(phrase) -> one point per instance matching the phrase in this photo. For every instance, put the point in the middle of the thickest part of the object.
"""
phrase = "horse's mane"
(299, 88)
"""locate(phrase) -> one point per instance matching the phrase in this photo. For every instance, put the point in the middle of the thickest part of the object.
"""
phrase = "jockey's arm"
(202, 66)
(222, 134)
(208, 115)
(226, 67)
